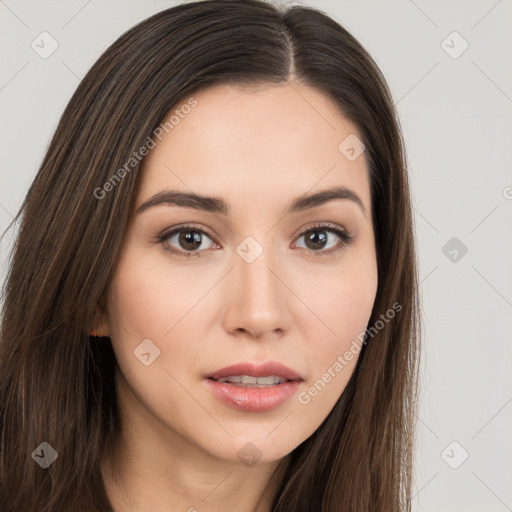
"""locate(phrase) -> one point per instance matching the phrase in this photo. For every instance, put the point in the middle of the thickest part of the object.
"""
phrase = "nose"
(257, 298)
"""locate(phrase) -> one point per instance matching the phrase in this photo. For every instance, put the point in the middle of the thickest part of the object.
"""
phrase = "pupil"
(318, 238)
(188, 238)
(192, 239)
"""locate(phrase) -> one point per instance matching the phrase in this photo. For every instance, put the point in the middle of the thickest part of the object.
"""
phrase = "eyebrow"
(219, 206)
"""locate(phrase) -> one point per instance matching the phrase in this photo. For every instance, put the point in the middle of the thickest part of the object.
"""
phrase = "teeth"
(250, 381)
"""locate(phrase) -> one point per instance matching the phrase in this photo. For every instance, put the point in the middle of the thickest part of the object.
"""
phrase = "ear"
(101, 326)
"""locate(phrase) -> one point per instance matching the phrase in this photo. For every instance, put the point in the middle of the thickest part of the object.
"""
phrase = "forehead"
(270, 143)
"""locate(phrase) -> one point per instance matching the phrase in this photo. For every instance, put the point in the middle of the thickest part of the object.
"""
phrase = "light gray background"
(456, 117)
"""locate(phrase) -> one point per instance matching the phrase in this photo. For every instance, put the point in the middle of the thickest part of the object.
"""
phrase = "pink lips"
(262, 370)
(254, 399)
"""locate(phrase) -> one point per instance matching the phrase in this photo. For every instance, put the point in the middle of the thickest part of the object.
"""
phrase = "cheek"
(342, 303)
(342, 300)
(151, 297)
(152, 300)
(350, 305)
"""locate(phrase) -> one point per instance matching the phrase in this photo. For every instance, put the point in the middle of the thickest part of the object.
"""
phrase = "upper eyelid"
(327, 225)
(176, 229)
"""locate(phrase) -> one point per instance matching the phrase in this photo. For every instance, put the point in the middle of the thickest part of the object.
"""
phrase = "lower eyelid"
(344, 239)
(164, 240)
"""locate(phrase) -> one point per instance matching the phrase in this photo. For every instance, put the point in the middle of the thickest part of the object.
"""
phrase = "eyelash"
(345, 239)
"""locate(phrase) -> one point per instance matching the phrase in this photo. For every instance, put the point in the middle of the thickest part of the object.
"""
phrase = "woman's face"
(245, 283)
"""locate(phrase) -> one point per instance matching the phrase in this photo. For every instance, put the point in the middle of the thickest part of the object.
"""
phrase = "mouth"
(252, 388)
(249, 381)
(249, 374)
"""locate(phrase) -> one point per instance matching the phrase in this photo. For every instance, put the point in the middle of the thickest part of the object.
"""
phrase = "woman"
(212, 302)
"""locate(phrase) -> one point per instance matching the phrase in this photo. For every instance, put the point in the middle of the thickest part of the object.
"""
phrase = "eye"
(316, 238)
(189, 239)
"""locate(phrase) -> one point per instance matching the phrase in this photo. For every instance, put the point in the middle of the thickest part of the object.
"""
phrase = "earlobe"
(100, 329)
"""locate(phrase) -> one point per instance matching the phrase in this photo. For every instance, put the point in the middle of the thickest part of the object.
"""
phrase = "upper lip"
(255, 370)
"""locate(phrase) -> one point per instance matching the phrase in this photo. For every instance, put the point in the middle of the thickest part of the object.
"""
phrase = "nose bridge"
(257, 301)
(254, 265)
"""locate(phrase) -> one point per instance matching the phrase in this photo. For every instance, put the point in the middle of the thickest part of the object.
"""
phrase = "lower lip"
(253, 399)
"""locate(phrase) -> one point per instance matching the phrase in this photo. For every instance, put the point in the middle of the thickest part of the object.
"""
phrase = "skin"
(258, 150)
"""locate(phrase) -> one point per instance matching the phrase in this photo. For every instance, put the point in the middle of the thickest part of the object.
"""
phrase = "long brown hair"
(57, 383)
